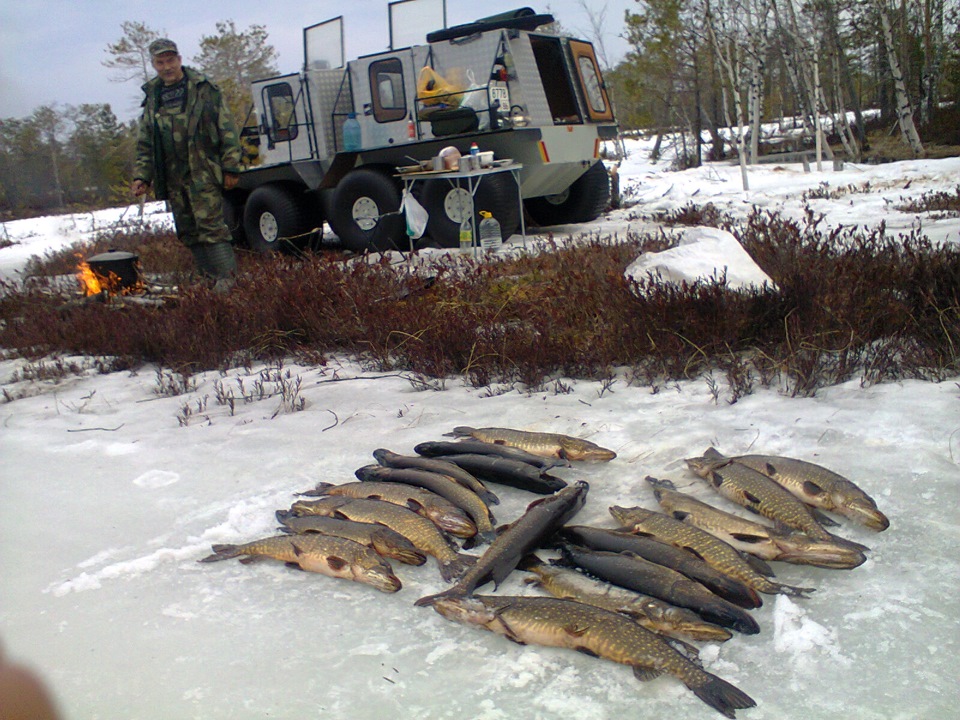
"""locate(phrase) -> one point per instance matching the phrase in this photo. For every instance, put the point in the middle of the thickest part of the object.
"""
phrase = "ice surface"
(108, 502)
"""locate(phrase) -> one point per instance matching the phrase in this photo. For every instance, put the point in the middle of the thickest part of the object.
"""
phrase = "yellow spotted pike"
(751, 537)
(417, 529)
(653, 614)
(324, 554)
(707, 547)
(556, 622)
(379, 538)
(441, 512)
(819, 487)
(758, 494)
(539, 443)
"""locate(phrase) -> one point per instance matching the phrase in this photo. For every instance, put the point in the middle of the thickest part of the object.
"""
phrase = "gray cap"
(163, 45)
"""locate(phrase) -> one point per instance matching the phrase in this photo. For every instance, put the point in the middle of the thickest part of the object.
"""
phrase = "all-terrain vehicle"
(503, 82)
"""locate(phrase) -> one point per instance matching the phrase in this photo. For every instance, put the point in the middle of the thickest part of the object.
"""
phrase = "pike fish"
(379, 538)
(425, 536)
(634, 573)
(439, 449)
(443, 485)
(539, 443)
(762, 541)
(505, 471)
(436, 465)
(669, 556)
(759, 494)
(817, 486)
(540, 521)
(707, 547)
(441, 512)
(555, 622)
(324, 554)
(653, 614)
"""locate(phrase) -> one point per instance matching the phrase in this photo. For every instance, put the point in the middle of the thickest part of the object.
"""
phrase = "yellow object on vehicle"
(435, 89)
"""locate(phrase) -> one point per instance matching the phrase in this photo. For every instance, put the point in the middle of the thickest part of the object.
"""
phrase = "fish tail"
(461, 431)
(722, 696)
(795, 592)
(222, 552)
(454, 569)
(489, 498)
(318, 490)
(431, 599)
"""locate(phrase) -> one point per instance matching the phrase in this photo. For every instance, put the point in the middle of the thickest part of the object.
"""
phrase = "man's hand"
(230, 181)
(139, 187)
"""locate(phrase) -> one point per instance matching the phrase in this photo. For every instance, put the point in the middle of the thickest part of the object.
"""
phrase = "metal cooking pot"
(124, 265)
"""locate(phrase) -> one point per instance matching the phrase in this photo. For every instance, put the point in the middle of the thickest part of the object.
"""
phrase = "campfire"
(111, 273)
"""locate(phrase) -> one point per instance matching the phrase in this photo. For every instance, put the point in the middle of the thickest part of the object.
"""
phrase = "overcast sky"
(51, 51)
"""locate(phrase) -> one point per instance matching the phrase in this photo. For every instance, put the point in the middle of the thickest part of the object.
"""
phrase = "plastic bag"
(435, 89)
(415, 214)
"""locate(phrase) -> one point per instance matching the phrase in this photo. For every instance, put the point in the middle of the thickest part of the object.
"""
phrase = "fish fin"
(455, 569)
(769, 470)
(283, 515)
(336, 563)
(660, 483)
(499, 442)
(823, 519)
(251, 559)
(715, 478)
(431, 599)
(293, 566)
(758, 564)
(461, 431)
(690, 652)
(471, 542)
(576, 631)
(747, 538)
(586, 651)
(488, 497)
(712, 454)
(811, 488)
(722, 696)
(751, 498)
(795, 592)
(221, 552)
(318, 490)
(645, 674)
(679, 515)
(693, 552)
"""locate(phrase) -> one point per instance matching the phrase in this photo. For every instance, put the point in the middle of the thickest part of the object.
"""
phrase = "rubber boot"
(221, 263)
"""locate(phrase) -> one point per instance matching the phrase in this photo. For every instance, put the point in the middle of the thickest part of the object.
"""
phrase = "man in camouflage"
(188, 149)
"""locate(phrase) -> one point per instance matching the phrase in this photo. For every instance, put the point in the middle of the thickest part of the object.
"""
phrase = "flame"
(93, 284)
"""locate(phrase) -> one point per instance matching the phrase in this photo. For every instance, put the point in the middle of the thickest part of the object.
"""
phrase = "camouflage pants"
(198, 213)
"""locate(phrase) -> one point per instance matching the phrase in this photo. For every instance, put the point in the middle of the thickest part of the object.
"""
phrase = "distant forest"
(703, 73)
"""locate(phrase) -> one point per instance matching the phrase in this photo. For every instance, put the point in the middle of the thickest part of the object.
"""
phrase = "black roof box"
(522, 19)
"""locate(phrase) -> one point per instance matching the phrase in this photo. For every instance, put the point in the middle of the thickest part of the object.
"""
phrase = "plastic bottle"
(490, 237)
(474, 150)
(466, 233)
(411, 129)
(352, 134)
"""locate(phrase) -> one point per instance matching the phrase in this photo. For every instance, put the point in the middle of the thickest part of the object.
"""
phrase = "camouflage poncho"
(212, 138)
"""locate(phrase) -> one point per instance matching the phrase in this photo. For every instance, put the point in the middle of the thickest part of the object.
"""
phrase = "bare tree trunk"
(904, 111)
(730, 65)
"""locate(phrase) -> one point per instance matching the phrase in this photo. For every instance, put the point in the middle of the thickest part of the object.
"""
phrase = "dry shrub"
(847, 302)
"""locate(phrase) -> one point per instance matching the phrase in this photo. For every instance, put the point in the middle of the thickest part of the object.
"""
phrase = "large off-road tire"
(446, 202)
(366, 212)
(583, 201)
(276, 218)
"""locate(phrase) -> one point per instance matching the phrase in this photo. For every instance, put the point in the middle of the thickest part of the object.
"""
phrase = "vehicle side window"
(591, 81)
(387, 90)
(282, 125)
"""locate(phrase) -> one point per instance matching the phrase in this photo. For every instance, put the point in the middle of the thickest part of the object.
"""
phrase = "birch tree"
(908, 129)
(728, 54)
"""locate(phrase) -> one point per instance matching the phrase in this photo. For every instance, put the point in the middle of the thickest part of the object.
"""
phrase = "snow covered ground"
(110, 493)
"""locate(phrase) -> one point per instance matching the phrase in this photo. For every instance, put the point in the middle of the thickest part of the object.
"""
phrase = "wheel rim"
(366, 213)
(458, 204)
(269, 228)
(559, 198)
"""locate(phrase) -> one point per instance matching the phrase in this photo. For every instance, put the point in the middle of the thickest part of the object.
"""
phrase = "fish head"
(629, 516)
(577, 449)
(864, 511)
(463, 609)
(379, 576)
